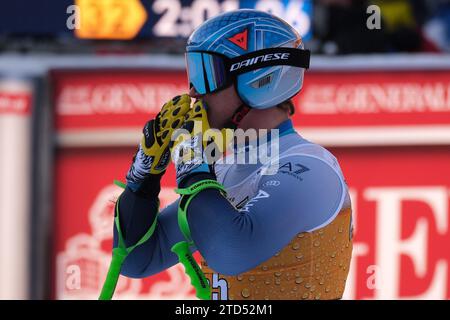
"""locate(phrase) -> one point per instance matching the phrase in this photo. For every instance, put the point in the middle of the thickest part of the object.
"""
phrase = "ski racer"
(286, 234)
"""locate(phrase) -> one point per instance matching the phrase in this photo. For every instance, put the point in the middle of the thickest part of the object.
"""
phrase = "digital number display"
(126, 19)
(178, 18)
(141, 19)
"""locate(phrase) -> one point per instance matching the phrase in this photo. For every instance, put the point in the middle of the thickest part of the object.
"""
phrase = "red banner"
(400, 194)
(123, 98)
(401, 215)
(401, 203)
(86, 100)
(374, 98)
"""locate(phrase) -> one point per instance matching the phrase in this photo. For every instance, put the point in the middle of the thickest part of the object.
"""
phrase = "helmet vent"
(263, 81)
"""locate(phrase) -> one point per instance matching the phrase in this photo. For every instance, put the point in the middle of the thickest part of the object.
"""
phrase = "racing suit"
(281, 236)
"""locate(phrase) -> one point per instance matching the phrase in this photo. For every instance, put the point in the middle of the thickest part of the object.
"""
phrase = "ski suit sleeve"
(306, 193)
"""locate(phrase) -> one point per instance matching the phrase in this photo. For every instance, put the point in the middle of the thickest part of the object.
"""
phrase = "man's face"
(220, 105)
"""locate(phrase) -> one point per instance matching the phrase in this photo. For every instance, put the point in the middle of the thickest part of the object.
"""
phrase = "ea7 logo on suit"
(293, 169)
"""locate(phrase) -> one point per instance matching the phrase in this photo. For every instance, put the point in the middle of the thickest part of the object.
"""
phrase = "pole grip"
(192, 269)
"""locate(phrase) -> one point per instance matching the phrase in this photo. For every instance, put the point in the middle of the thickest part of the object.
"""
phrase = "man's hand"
(196, 146)
(153, 154)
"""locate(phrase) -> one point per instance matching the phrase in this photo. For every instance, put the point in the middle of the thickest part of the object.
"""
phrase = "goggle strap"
(267, 58)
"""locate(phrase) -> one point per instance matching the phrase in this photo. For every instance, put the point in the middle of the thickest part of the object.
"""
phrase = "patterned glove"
(196, 146)
(153, 153)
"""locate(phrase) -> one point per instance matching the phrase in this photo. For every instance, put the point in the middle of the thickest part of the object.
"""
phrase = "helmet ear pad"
(267, 87)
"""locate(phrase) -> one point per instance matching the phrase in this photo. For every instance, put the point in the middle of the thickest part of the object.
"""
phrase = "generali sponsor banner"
(374, 98)
(100, 99)
(401, 211)
(400, 194)
(15, 163)
(110, 99)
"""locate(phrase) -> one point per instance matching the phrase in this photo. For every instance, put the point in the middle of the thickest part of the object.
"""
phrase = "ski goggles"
(210, 72)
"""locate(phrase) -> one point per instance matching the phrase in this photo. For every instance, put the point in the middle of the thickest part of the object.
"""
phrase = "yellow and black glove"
(196, 146)
(153, 154)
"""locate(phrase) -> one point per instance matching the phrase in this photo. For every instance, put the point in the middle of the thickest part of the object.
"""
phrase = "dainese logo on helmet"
(262, 58)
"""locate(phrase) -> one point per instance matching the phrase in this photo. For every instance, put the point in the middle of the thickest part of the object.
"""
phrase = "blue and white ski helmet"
(260, 53)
